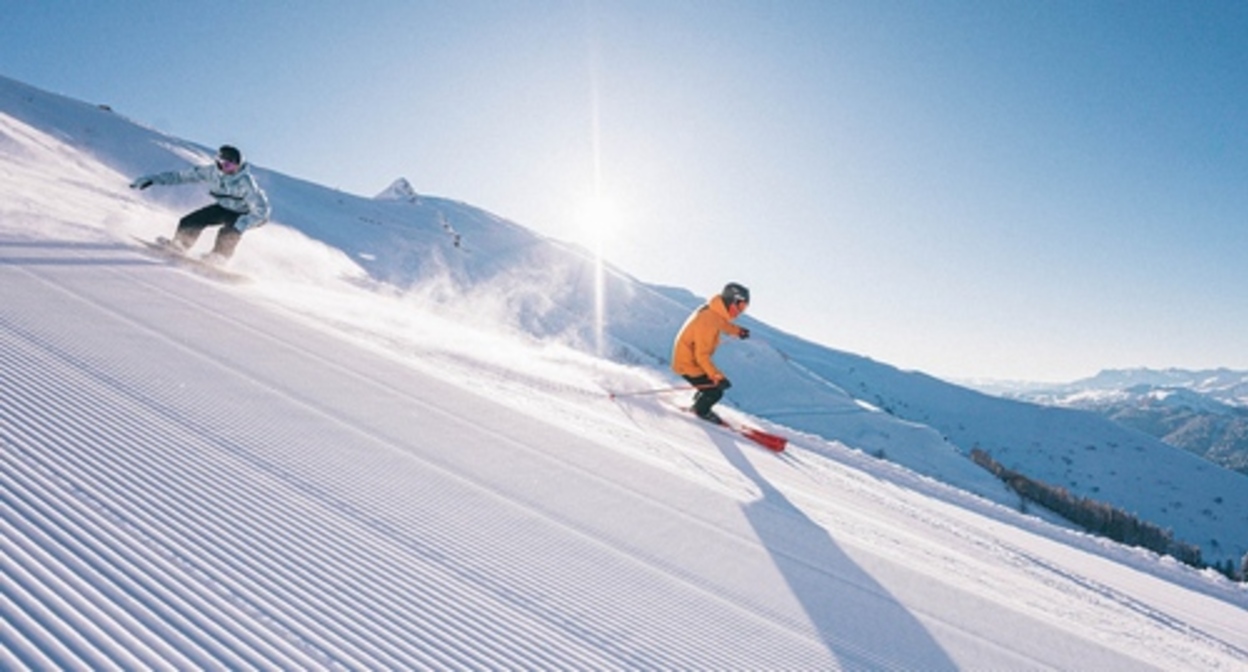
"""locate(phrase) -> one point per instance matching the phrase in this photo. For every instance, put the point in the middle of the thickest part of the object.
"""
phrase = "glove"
(723, 384)
(141, 183)
(745, 333)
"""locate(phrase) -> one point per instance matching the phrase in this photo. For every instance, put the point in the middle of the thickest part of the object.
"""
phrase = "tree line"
(1096, 517)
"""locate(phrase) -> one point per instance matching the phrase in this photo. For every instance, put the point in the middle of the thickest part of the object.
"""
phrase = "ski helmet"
(230, 153)
(734, 292)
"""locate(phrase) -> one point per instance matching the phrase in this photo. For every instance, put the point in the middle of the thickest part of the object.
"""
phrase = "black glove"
(723, 384)
(745, 333)
(141, 184)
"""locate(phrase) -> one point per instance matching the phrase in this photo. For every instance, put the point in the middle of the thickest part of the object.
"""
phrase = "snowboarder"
(696, 344)
(241, 204)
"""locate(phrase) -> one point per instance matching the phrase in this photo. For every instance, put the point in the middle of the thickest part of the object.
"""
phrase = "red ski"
(772, 442)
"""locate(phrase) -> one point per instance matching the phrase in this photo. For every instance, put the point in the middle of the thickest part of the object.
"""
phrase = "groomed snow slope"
(195, 476)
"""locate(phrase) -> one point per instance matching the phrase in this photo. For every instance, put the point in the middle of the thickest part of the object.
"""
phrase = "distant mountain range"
(1204, 412)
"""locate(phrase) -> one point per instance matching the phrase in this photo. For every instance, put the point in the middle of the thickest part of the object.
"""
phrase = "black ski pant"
(709, 392)
(190, 226)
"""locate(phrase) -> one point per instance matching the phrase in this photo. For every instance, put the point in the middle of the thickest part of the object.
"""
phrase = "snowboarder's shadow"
(858, 619)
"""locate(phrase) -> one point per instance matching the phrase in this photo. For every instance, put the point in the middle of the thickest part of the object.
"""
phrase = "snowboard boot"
(215, 259)
(171, 244)
(176, 244)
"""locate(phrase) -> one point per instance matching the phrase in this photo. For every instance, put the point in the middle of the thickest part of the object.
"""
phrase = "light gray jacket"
(238, 192)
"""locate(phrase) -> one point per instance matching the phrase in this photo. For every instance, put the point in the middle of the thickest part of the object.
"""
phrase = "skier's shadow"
(861, 623)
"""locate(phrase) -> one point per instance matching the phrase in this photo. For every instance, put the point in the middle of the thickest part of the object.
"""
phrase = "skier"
(696, 344)
(241, 204)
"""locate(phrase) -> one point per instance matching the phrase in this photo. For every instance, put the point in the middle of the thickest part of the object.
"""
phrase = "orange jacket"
(697, 340)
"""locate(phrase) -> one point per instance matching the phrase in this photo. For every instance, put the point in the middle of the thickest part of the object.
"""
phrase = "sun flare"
(599, 219)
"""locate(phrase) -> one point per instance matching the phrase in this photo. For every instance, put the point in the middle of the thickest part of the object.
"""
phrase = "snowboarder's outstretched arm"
(196, 174)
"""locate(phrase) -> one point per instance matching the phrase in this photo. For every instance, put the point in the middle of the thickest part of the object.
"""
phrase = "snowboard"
(192, 264)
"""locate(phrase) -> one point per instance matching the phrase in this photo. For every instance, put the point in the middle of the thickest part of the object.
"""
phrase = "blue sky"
(1031, 190)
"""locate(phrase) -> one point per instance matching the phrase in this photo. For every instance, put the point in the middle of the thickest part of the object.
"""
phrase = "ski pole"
(657, 390)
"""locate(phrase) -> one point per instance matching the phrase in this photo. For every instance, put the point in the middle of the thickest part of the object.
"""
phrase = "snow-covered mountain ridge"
(399, 190)
(504, 273)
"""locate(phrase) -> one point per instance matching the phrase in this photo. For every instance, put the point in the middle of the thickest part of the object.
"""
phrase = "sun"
(599, 219)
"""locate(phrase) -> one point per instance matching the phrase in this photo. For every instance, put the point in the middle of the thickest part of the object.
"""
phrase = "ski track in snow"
(194, 480)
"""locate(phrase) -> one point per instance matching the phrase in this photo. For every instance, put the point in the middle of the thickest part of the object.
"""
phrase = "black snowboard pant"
(709, 393)
(190, 226)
